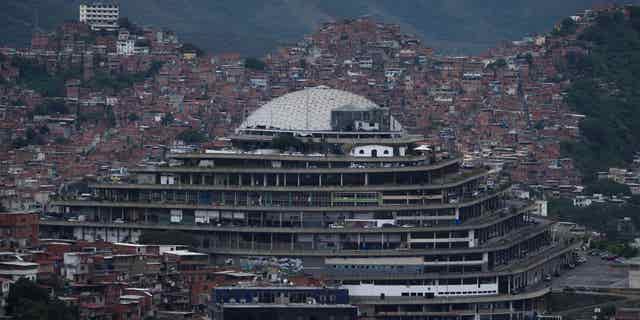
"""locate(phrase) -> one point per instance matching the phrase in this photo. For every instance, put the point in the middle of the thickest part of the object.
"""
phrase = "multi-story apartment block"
(100, 15)
(332, 179)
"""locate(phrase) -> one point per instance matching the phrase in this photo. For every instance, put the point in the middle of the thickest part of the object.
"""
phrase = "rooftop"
(276, 288)
(19, 263)
(136, 245)
(286, 306)
(238, 274)
(308, 110)
(185, 253)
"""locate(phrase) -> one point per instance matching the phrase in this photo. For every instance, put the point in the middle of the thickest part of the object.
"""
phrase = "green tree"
(31, 136)
(123, 80)
(167, 119)
(44, 130)
(287, 142)
(19, 143)
(132, 117)
(539, 125)
(124, 22)
(34, 75)
(110, 116)
(28, 301)
(567, 26)
(607, 187)
(499, 63)
(601, 217)
(154, 68)
(191, 136)
(60, 140)
(254, 64)
(51, 107)
(191, 48)
(606, 88)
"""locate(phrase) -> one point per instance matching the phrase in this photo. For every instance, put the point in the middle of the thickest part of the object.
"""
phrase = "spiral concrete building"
(408, 231)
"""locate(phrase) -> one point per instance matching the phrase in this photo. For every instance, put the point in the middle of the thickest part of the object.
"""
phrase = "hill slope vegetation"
(255, 27)
(606, 88)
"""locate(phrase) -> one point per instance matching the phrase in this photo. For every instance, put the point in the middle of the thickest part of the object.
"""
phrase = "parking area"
(595, 272)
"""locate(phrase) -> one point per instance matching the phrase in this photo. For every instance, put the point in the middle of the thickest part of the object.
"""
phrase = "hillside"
(255, 27)
(606, 88)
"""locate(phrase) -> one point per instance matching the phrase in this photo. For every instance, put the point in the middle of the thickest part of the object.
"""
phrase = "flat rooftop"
(275, 288)
(185, 253)
(130, 244)
(449, 299)
(236, 154)
(19, 263)
(286, 306)
(233, 273)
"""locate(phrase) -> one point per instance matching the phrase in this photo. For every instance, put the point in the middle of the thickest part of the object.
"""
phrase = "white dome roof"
(304, 110)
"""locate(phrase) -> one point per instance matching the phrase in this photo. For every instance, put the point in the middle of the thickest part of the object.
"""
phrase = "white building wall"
(444, 290)
(204, 216)
(176, 215)
(125, 47)
(367, 126)
(369, 150)
(15, 275)
(541, 207)
(634, 279)
(100, 15)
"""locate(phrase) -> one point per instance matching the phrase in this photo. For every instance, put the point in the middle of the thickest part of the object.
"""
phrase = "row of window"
(109, 22)
(103, 16)
(102, 7)
(375, 267)
(425, 282)
(430, 294)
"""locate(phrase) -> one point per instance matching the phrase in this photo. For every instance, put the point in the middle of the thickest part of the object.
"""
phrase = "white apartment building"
(100, 16)
(14, 270)
(126, 47)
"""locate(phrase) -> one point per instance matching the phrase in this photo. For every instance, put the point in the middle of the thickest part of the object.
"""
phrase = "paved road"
(593, 273)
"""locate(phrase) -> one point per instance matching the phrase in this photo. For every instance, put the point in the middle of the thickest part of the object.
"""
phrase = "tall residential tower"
(100, 15)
